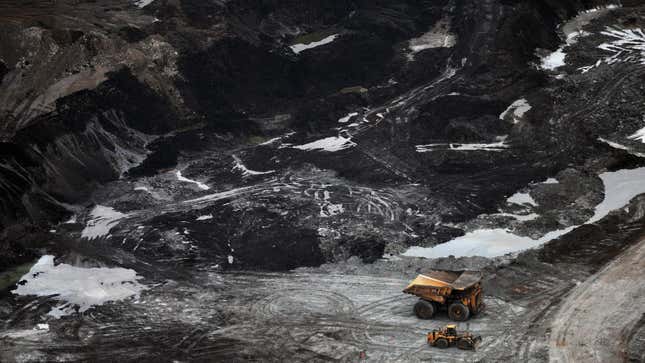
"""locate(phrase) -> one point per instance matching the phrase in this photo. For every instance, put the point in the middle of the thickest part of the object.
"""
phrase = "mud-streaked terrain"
(216, 181)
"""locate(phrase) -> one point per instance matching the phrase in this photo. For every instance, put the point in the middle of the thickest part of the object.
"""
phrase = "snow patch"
(346, 119)
(618, 146)
(521, 198)
(600, 8)
(239, 166)
(223, 195)
(143, 3)
(620, 187)
(484, 242)
(572, 31)
(500, 145)
(553, 60)
(572, 38)
(438, 37)
(201, 186)
(205, 217)
(628, 45)
(102, 219)
(330, 144)
(300, 47)
(519, 108)
(638, 135)
(430, 40)
(275, 139)
(73, 219)
(551, 181)
(79, 288)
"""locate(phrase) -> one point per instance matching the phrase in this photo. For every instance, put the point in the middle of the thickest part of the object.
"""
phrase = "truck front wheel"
(458, 312)
(424, 309)
(442, 343)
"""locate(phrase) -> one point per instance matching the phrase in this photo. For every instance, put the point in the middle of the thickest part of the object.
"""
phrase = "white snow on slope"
(519, 108)
(431, 40)
(275, 139)
(521, 198)
(572, 32)
(483, 242)
(143, 3)
(438, 37)
(500, 145)
(639, 135)
(79, 287)
(628, 45)
(600, 8)
(616, 145)
(330, 144)
(620, 187)
(102, 219)
(201, 186)
(346, 119)
(300, 47)
(239, 166)
(223, 195)
(554, 60)
(205, 217)
(551, 181)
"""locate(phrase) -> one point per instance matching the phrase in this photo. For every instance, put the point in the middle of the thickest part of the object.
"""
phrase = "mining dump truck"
(458, 291)
(448, 337)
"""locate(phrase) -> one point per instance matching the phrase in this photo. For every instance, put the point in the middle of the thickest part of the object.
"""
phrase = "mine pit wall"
(596, 244)
(62, 155)
(93, 136)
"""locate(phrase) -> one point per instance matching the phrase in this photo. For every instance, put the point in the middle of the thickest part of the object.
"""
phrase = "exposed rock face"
(194, 141)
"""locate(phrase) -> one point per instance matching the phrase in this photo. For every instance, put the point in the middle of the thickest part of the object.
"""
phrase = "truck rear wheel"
(458, 312)
(441, 343)
(424, 309)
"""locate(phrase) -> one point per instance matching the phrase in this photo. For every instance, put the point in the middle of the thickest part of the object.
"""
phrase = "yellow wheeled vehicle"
(458, 291)
(448, 337)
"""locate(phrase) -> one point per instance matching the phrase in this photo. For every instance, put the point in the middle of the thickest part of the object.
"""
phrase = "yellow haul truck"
(459, 291)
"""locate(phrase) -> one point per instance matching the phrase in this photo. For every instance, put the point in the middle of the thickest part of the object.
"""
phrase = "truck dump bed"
(459, 291)
(454, 280)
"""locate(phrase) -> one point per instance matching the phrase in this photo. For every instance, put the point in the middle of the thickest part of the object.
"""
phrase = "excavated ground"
(268, 244)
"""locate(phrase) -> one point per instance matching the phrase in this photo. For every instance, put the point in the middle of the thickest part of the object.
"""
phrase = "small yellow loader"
(448, 337)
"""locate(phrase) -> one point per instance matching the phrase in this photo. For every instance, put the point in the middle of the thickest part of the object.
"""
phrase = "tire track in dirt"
(596, 316)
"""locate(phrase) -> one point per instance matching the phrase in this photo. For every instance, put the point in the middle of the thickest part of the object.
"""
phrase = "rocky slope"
(183, 139)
